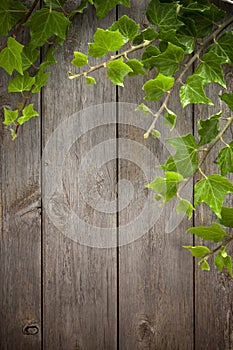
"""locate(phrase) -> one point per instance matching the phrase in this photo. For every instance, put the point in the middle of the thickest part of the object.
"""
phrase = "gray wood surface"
(20, 242)
(80, 300)
(146, 294)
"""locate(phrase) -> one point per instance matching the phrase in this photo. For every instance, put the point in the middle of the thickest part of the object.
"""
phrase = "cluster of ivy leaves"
(48, 27)
(180, 34)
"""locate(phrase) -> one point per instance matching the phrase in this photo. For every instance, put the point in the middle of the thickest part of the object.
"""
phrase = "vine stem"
(217, 138)
(16, 29)
(212, 252)
(188, 65)
(112, 58)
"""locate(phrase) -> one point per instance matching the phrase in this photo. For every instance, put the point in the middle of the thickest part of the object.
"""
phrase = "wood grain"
(79, 281)
(20, 232)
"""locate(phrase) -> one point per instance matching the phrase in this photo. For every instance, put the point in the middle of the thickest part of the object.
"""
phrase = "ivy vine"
(181, 34)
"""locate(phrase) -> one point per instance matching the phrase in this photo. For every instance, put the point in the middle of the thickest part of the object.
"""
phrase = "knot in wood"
(31, 329)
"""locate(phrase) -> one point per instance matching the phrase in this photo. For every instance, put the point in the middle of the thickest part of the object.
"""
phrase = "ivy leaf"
(166, 187)
(80, 59)
(90, 80)
(198, 251)
(193, 91)
(221, 261)
(40, 80)
(212, 190)
(227, 217)
(10, 116)
(105, 41)
(45, 23)
(83, 6)
(225, 159)
(127, 27)
(186, 207)
(185, 160)
(117, 70)
(184, 41)
(9, 18)
(205, 265)
(224, 46)
(211, 233)
(136, 66)
(148, 56)
(143, 108)
(155, 88)
(170, 118)
(50, 59)
(208, 129)
(155, 134)
(167, 61)
(28, 113)
(163, 15)
(55, 3)
(228, 99)
(10, 57)
(21, 83)
(29, 56)
(210, 69)
(103, 7)
(146, 34)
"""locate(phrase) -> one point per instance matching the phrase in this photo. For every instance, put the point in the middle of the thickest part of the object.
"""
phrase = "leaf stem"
(112, 58)
(212, 252)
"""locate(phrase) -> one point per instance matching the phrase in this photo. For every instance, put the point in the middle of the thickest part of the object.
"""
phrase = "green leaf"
(136, 66)
(170, 118)
(193, 91)
(219, 261)
(155, 134)
(212, 190)
(103, 7)
(148, 34)
(28, 113)
(155, 88)
(105, 41)
(210, 69)
(227, 217)
(163, 15)
(185, 160)
(50, 59)
(198, 251)
(21, 83)
(211, 233)
(148, 56)
(10, 57)
(13, 134)
(10, 116)
(127, 27)
(55, 3)
(228, 99)
(29, 56)
(186, 207)
(224, 48)
(205, 266)
(208, 129)
(83, 6)
(117, 70)
(45, 23)
(143, 108)
(40, 80)
(90, 80)
(167, 61)
(9, 18)
(167, 187)
(184, 41)
(225, 159)
(80, 59)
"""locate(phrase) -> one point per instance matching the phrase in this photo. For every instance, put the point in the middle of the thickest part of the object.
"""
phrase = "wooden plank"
(213, 290)
(20, 243)
(155, 273)
(79, 280)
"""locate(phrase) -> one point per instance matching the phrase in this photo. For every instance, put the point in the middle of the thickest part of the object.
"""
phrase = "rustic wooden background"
(57, 294)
